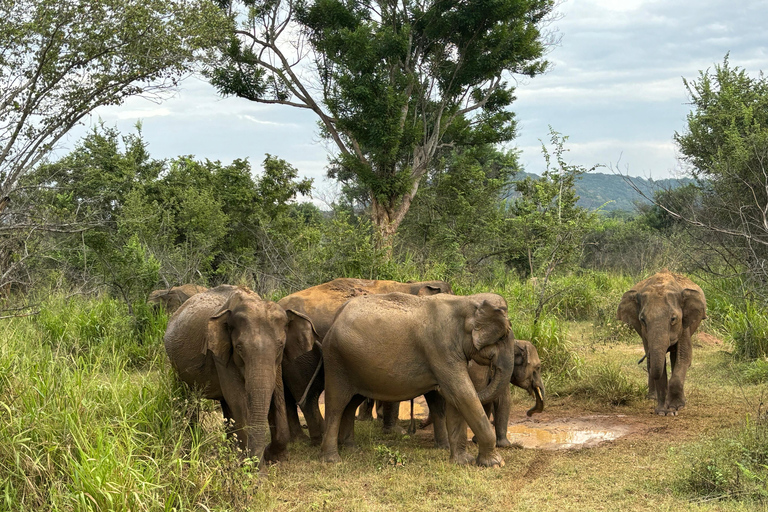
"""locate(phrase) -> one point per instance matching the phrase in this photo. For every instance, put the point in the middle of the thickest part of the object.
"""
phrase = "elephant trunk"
(259, 386)
(657, 355)
(502, 368)
(538, 391)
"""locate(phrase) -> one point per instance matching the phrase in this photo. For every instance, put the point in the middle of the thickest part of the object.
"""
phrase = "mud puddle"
(566, 433)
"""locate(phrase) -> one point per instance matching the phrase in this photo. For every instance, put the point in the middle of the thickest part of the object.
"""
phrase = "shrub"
(735, 466)
(607, 383)
(748, 327)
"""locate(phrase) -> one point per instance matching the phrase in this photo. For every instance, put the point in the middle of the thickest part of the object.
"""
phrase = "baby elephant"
(527, 375)
(397, 346)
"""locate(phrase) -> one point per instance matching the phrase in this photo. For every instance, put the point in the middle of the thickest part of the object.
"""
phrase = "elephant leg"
(278, 423)
(436, 404)
(338, 394)
(457, 435)
(680, 359)
(347, 427)
(291, 411)
(390, 414)
(661, 393)
(366, 410)
(311, 410)
(459, 392)
(229, 421)
(501, 409)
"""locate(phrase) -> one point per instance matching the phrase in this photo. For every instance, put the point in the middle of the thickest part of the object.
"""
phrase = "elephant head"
(171, 299)
(492, 343)
(527, 373)
(248, 338)
(430, 288)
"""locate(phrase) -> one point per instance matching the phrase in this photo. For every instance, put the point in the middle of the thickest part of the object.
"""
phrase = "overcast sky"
(615, 89)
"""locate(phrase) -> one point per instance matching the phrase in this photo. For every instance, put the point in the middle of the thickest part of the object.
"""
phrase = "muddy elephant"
(229, 343)
(527, 375)
(303, 377)
(396, 347)
(171, 299)
(665, 310)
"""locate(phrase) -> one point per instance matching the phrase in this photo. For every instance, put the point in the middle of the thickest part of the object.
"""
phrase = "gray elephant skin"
(395, 347)
(526, 375)
(171, 299)
(321, 303)
(229, 343)
(665, 310)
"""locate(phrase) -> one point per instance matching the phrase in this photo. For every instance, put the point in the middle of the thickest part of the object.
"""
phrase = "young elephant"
(665, 310)
(171, 299)
(321, 303)
(527, 375)
(229, 343)
(396, 347)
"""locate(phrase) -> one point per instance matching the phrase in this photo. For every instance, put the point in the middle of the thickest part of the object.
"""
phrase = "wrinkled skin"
(665, 310)
(229, 343)
(527, 375)
(395, 347)
(171, 299)
(321, 303)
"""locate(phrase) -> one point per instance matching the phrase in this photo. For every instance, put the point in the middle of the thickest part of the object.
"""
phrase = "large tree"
(60, 59)
(391, 82)
(726, 145)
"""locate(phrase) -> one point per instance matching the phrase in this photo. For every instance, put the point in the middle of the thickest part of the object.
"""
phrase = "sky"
(615, 89)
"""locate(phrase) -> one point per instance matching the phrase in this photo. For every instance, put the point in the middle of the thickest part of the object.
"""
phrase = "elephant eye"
(674, 319)
(642, 319)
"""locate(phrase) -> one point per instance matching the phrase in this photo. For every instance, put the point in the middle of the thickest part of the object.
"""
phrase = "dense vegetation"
(91, 416)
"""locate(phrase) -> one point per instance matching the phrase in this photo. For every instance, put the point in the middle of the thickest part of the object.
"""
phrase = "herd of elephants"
(363, 340)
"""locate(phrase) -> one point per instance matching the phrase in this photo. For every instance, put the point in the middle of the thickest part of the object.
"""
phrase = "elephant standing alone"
(395, 347)
(665, 310)
(229, 343)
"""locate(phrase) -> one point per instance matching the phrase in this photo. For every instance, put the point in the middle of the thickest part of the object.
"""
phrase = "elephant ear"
(489, 325)
(300, 334)
(521, 354)
(429, 289)
(694, 309)
(218, 339)
(629, 310)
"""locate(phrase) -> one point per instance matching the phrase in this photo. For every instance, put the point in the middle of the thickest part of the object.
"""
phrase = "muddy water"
(563, 435)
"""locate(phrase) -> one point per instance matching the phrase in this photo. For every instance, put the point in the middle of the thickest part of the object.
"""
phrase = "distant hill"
(598, 189)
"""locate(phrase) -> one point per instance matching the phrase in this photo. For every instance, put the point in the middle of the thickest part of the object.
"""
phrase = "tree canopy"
(60, 59)
(391, 82)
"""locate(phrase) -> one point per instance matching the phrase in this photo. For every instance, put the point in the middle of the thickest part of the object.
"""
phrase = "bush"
(732, 467)
(748, 328)
(607, 383)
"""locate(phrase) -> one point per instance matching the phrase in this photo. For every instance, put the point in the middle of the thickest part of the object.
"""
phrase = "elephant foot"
(662, 411)
(676, 404)
(490, 460)
(332, 457)
(442, 445)
(394, 429)
(272, 454)
(462, 458)
(315, 441)
(650, 396)
(503, 442)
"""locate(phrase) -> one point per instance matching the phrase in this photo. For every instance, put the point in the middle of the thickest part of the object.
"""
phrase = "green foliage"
(747, 325)
(63, 59)
(387, 456)
(734, 466)
(397, 81)
(608, 383)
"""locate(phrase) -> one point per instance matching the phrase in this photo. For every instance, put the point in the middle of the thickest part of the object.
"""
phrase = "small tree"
(547, 227)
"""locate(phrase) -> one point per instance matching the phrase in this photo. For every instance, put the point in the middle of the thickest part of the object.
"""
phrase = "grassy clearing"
(91, 418)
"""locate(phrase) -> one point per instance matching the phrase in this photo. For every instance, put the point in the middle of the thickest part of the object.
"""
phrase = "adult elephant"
(665, 310)
(395, 347)
(527, 375)
(229, 343)
(171, 299)
(304, 375)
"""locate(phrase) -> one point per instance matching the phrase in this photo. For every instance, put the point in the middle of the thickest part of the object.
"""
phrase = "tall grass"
(83, 427)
